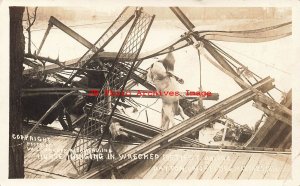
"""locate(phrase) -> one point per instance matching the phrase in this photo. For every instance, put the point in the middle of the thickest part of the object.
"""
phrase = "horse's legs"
(169, 114)
(172, 115)
(164, 120)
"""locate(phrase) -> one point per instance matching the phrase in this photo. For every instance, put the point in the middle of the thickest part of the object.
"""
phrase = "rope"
(79, 25)
(147, 107)
(256, 60)
(243, 66)
(200, 76)
(156, 110)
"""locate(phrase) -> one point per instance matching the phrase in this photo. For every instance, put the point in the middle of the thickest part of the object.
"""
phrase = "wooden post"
(16, 53)
(225, 130)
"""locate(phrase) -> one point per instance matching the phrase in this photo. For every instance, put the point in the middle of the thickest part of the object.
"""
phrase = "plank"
(29, 175)
(275, 135)
(286, 139)
(59, 166)
(29, 155)
(143, 167)
(276, 167)
(179, 155)
(226, 166)
(190, 155)
(49, 165)
(204, 164)
(64, 164)
(238, 166)
(66, 167)
(41, 174)
(33, 158)
(262, 167)
(218, 162)
(254, 159)
(191, 165)
(158, 165)
(286, 171)
(260, 134)
(180, 165)
(57, 144)
(69, 170)
(37, 176)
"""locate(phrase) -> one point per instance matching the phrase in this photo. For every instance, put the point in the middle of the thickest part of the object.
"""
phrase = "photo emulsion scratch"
(150, 93)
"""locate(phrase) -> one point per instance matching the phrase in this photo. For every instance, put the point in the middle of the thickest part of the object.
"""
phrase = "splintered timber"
(117, 93)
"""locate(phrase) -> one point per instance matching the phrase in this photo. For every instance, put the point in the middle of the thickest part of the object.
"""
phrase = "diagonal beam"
(53, 21)
(270, 113)
(182, 17)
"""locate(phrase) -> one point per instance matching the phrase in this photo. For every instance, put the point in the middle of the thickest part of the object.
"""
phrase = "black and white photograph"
(150, 92)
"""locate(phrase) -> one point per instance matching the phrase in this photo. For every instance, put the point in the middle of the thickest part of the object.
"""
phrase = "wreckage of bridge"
(89, 129)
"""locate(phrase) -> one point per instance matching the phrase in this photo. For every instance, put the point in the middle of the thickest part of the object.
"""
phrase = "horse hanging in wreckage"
(161, 75)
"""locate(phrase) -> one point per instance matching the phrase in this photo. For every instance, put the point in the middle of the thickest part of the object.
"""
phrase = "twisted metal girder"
(92, 132)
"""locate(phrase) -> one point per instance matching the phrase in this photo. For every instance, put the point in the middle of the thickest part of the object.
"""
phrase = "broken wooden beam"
(72, 33)
(287, 120)
(261, 137)
(182, 17)
(268, 101)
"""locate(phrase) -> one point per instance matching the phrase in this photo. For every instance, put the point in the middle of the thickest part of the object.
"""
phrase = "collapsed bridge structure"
(101, 70)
